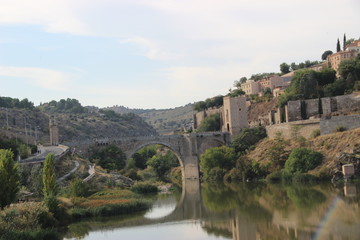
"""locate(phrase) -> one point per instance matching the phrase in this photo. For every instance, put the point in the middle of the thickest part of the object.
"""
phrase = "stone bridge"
(186, 147)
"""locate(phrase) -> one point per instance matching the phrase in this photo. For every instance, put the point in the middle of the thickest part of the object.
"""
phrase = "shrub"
(210, 124)
(274, 177)
(340, 129)
(247, 138)
(219, 157)
(302, 160)
(78, 188)
(142, 188)
(315, 133)
(109, 209)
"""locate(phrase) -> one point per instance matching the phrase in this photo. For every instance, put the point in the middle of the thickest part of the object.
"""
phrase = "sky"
(158, 53)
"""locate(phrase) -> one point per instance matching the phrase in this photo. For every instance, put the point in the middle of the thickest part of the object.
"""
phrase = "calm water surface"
(245, 211)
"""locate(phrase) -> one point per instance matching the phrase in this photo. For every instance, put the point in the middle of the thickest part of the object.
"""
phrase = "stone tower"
(234, 116)
(54, 132)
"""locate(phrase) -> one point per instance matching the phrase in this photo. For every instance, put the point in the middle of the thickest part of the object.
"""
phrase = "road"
(44, 151)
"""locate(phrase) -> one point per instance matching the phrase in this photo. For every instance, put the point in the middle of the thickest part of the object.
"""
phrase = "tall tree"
(9, 178)
(284, 68)
(338, 48)
(326, 54)
(344, 42)
(49, 182)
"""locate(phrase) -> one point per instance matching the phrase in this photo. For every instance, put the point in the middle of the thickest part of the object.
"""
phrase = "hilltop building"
(257, 87)
(351, 51)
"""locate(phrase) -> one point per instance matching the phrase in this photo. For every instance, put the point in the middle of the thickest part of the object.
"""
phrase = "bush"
(315, 133)
(247, 138)
(340, 129)
(109, 209)
(274, 177)
(219, 157)
(78, 188)
(144, 188)
(302, 160)
(210, 124)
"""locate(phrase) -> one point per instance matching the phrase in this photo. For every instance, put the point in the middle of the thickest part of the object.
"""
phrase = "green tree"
(243, 80)
(302, 160)
(143, 155)
(23, 151)
(210, 123)
(49, 177)
(199, 106)
(247, 138)
(161, 164)
(338, 48)
(350, 67)
(35, 179)
(110, 157)
(49, 183)
(344, 42)
(284, 68)
(78, 188)
(222, 158)
(9, 178)
(326, 54)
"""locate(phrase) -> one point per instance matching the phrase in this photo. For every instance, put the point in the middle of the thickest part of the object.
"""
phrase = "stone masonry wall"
(294, 111)
(329, 125)
(311, 107)
(304, 127)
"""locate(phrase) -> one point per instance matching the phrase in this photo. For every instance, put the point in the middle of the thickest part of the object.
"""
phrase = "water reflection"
(243, 211)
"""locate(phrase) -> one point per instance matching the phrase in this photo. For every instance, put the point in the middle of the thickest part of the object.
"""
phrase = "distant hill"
(165, 121)
(75, 122)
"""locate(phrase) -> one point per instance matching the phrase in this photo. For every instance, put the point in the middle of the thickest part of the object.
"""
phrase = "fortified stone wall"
(302, 128)
(329, 125)
(295, 110)
(200, 116)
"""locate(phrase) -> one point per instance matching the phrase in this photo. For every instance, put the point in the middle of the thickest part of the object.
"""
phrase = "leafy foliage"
(142, 188)
(78, 188)
(9, 178)
(141, 156)
(49, 183)
(110, 157)
(161, 164)
(9, 102)
(209, 103)
(219, 157)
(302, 160)
(65, 106)
(210, 124)
(247, 138)
(326, 54)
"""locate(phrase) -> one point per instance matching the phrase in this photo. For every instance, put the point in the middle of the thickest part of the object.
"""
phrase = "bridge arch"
(172, 148)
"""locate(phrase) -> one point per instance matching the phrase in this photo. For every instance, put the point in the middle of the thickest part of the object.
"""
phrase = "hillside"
(165, 121)
(72, 126)
(331, 146)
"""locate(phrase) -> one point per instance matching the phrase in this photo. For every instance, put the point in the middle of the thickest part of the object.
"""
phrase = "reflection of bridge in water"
(191, 207)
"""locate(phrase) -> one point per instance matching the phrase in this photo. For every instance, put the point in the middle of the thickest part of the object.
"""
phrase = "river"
(242, 211)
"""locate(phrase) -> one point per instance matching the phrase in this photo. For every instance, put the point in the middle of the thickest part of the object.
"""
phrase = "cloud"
(41, 77)
(57, 16)
(151, 49)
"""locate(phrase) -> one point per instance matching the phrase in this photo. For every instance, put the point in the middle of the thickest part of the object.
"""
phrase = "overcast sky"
(158, 53)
